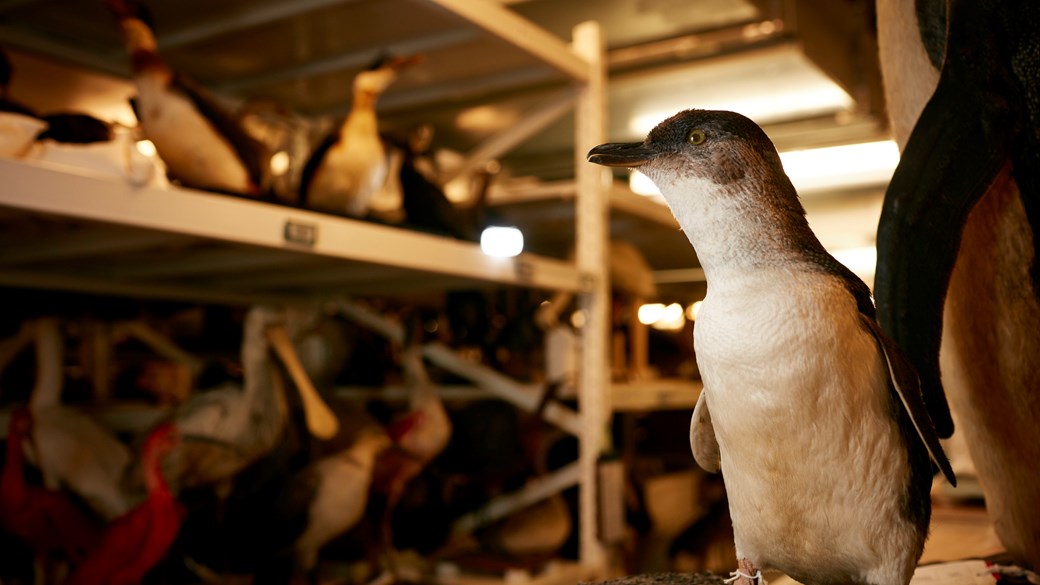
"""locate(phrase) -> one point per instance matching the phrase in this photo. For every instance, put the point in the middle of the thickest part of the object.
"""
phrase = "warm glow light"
(693, 309)
(817, 169)
(502, 242)
(280, 163)
(861, 261)
(650, 313)
(146, 147)
(851, 165)
(672, 318)
(641, 184)
(660, 316)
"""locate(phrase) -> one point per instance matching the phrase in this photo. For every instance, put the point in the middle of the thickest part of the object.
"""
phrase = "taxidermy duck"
(958, 271)
(787, 337)
(347, 168)
(201, 143)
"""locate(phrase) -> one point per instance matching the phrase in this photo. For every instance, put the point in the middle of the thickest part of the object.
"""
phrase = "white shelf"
(66, 228)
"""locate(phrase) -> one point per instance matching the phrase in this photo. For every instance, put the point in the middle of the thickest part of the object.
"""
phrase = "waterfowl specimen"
(347, 168)
(201, 143)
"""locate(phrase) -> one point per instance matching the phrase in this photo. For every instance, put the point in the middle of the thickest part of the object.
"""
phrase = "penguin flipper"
(903, 379)
(954, 152)
(703, 443)
(251, 152)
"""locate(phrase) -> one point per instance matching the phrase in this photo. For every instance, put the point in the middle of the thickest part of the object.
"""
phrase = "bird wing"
(703, 443)
(313, 162)
(907, 386)
(250, 151)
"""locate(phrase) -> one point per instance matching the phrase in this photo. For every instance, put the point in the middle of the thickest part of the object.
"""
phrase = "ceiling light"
(850, 165)
(502, 242)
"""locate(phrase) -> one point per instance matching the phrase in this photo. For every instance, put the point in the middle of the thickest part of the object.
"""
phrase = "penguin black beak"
(617, 154)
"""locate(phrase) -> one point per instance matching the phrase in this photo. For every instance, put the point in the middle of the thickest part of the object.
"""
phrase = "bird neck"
(12, 482)
(154, 481)
(362, 117)
(742, 228)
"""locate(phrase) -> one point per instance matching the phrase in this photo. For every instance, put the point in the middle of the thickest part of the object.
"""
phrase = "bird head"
(718, 157)
(718, 146)
(135, 22)
(382, 72)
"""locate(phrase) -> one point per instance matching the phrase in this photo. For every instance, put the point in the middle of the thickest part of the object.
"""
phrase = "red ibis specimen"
(241, 424)
(46, 520)
(135, 542)
(347, 168)
(71, 449)
(957, 274)
(419, 435)
(201, 143)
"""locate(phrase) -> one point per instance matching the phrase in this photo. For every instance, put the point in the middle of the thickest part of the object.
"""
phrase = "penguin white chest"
(187, 142)
(812, 456)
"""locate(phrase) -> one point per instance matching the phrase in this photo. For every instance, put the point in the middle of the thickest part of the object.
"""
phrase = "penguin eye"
(696, 136)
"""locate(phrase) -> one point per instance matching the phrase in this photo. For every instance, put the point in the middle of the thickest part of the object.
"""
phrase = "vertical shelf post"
(591, 214)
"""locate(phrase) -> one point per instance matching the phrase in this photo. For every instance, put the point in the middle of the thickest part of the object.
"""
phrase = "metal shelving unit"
(70, 229)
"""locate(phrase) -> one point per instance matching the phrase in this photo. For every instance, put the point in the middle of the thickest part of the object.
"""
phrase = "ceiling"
(662, 55)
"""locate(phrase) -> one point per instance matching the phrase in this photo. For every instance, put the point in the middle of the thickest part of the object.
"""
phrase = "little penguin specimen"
(814, 417)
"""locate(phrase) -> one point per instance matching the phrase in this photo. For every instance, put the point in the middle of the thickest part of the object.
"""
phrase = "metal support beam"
(592, 236)
(521, 33)
(249, 16)
(505, 141)
(530, 494)
(352, 60)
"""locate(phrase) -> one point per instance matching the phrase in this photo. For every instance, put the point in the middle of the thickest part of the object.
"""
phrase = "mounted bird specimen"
(958, 273)
(347, 168)
(71, 449)
(226, 429)
(786, 340)
(46, 520)
(428, 208)
(419, 434)
(137, 541)
(334, 492)
(201, 143)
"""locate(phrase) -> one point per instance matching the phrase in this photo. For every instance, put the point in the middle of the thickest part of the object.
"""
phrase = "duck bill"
(622, 154)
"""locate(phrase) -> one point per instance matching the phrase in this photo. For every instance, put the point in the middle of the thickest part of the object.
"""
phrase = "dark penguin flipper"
(906, 384)
(960, 143)
(313, 163)
(703, 443)
(250, 151)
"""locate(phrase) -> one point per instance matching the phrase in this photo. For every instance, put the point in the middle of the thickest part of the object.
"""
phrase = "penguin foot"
(746, 574)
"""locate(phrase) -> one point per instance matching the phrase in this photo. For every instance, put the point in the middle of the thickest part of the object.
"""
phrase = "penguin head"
(720, 147)
(382, 72)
